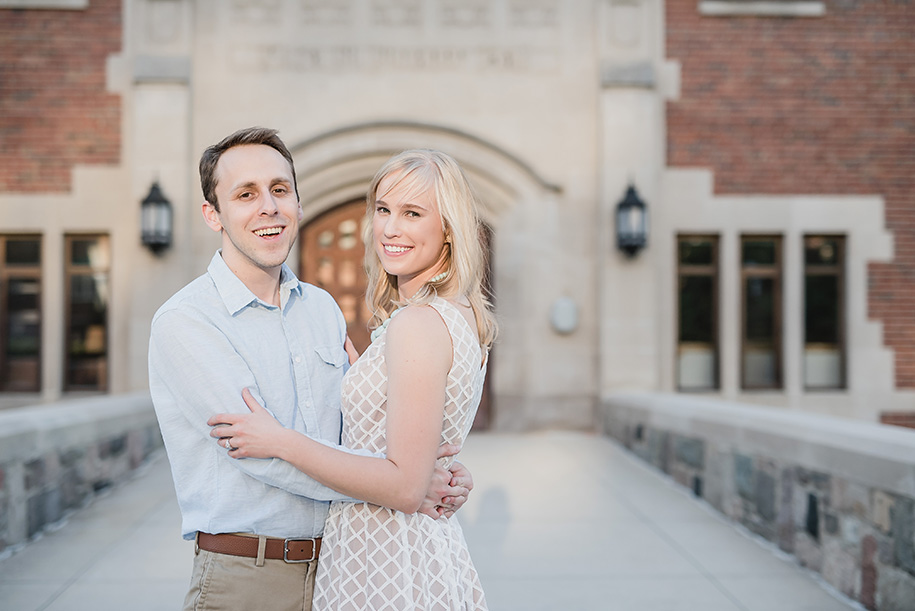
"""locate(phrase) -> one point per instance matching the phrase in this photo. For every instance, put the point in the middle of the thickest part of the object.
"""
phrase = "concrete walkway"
(557, 521)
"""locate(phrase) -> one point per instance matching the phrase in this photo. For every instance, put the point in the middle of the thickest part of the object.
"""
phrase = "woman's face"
(407, 233)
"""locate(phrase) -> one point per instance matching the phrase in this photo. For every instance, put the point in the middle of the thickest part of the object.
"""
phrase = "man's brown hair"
(249, 135)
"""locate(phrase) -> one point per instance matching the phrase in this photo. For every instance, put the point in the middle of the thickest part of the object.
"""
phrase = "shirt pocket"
(333, 354)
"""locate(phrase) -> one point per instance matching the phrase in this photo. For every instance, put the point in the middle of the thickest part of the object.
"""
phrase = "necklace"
(379, 330)
(437, 278)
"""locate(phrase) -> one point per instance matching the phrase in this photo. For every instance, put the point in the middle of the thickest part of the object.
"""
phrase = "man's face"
(258, 209)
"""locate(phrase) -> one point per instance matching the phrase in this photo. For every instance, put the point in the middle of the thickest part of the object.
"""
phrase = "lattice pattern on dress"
(378, 559)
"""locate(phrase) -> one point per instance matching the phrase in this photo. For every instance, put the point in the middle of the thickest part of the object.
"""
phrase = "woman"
(417, 386)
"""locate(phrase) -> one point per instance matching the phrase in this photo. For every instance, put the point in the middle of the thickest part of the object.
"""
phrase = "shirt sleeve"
(196, 373)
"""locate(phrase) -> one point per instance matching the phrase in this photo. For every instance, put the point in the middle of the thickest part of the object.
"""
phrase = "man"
(249, 323)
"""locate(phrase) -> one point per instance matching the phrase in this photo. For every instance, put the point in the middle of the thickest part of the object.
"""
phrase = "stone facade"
(552, 107)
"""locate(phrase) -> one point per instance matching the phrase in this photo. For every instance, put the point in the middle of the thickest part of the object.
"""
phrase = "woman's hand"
(448, 489)
(253, 435)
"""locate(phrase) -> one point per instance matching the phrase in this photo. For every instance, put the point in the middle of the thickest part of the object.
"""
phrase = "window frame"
(777, 272)
(840, 270)
(28, 271)
(712, 270)
(70, 270)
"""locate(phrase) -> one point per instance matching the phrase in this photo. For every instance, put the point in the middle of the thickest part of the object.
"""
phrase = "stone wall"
(837, 494)
(54, 458)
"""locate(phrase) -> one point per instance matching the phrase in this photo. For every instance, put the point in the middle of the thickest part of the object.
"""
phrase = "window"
(697, 299)
(20, 313)
(761, 288)
(87, 275)
(824, 312)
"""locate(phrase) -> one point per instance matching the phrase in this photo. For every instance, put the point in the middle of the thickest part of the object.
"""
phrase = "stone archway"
(334, 170)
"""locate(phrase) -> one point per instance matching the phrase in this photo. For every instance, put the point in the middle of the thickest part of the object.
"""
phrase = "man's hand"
(448, 490)
(460, 480)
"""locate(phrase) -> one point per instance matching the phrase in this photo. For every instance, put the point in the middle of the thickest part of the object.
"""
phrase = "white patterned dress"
(377, 559)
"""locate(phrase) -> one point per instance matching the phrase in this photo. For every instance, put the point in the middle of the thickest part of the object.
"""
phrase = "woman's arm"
(418, 356)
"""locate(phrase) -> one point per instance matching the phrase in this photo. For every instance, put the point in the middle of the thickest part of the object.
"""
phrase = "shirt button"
(298, 359)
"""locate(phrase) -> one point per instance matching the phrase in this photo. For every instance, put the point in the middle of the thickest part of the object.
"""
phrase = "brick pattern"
(54, 108)
(906, 419)
(810, 106)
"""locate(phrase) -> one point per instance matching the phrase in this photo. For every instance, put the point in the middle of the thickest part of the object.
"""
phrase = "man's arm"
(195, 373)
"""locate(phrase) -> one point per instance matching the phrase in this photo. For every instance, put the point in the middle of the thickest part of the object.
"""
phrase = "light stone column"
(158, 137)
(632, 152)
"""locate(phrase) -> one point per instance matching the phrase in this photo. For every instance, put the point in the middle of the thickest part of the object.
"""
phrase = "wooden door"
(331, 258)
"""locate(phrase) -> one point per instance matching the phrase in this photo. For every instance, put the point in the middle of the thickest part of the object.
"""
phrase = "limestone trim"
(156, 69)
(687, 205)
(783, 8)
(57, 5)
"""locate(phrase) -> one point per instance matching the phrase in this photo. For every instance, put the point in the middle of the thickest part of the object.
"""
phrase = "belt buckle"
(286, 551)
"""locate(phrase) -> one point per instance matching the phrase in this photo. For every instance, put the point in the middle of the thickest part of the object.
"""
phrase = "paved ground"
(557, 521)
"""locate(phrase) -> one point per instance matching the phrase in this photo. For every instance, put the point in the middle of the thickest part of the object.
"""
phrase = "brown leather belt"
(289, 550)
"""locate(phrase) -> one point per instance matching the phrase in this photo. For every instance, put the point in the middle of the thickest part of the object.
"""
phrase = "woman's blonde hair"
(419, 171)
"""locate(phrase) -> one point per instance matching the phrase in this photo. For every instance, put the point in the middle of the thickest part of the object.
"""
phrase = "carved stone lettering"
(326, 12)
(465, 13)
(277, 58)
(253, 12)
(534, 13)
(397, 13)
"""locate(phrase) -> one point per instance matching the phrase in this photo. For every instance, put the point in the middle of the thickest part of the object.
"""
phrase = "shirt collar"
(236, 296)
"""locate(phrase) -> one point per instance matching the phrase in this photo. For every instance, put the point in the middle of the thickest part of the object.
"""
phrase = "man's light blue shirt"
(209, 341)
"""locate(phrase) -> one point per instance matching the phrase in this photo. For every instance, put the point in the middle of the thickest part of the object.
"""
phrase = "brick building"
(773, 144)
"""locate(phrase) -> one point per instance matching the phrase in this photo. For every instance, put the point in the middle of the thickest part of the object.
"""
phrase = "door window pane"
(697, 345)
(332, 257)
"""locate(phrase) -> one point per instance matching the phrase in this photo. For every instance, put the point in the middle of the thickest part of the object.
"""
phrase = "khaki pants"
(233, 583)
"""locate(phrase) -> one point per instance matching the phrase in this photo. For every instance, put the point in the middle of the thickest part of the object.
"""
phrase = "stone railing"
(837, 494)
(55, 457)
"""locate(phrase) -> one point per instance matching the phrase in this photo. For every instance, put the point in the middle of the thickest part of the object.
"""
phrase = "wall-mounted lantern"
(156, 220)
(631, 223)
